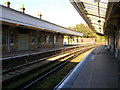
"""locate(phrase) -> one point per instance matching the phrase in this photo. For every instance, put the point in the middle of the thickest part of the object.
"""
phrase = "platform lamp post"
(68, 40)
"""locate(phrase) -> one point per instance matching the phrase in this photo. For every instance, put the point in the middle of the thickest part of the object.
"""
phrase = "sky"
(60, 12)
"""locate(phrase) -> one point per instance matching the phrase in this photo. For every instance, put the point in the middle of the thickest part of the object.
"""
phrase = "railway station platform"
(99, 69)
(17, 54)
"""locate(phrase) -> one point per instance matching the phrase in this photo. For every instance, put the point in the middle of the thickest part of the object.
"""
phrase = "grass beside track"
(52, 80)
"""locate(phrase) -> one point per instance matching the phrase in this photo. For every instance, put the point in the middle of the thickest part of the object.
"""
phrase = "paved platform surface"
(98, 70)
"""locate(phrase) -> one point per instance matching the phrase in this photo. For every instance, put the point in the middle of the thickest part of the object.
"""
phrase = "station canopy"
(93, 12)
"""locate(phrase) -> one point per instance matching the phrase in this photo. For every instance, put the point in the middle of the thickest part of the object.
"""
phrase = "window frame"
(13, 37)
(48, 39)
(55, 39)
(33, 39)
(44, 37)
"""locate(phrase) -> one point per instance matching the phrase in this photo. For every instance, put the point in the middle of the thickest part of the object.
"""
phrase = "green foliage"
(100, 39)
(87, 32)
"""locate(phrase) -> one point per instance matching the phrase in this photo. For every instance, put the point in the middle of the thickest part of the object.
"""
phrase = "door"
(23, 41)
(38, 41)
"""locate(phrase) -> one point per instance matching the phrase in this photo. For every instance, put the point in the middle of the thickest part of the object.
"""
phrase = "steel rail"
(57, 67)
(36, 61)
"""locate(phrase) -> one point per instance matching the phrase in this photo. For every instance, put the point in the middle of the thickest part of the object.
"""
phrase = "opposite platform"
(10, 55)
(98, 70)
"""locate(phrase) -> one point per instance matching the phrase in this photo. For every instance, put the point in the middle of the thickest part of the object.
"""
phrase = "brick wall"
(87, 40)
(14, 46)
(81, 40)
(32, 33)
(59, 42)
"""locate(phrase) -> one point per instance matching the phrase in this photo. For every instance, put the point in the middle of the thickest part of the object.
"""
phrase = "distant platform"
(9, 55)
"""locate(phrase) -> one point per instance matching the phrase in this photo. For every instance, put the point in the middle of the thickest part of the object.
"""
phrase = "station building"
(21, 31)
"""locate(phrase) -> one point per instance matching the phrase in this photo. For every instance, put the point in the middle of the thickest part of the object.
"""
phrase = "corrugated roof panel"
(96, 12)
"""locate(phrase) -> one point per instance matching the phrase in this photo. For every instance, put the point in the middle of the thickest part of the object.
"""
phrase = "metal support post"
(77, 39)
(108, 40)
(105, 41)
(53, 39)
(117, 44)
(68, 40)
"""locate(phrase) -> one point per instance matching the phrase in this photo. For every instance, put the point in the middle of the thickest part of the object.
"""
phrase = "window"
(43, 39)
(48, 39)
(55, 39)
(33, 39)
(11, 38)
(4, 38)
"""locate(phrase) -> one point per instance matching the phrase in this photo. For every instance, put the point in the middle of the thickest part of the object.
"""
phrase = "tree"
(82, 28)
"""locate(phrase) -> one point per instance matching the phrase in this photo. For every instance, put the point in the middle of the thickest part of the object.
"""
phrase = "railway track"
(36, 61)
(13, 73)
(12, 62)
(41, 69)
